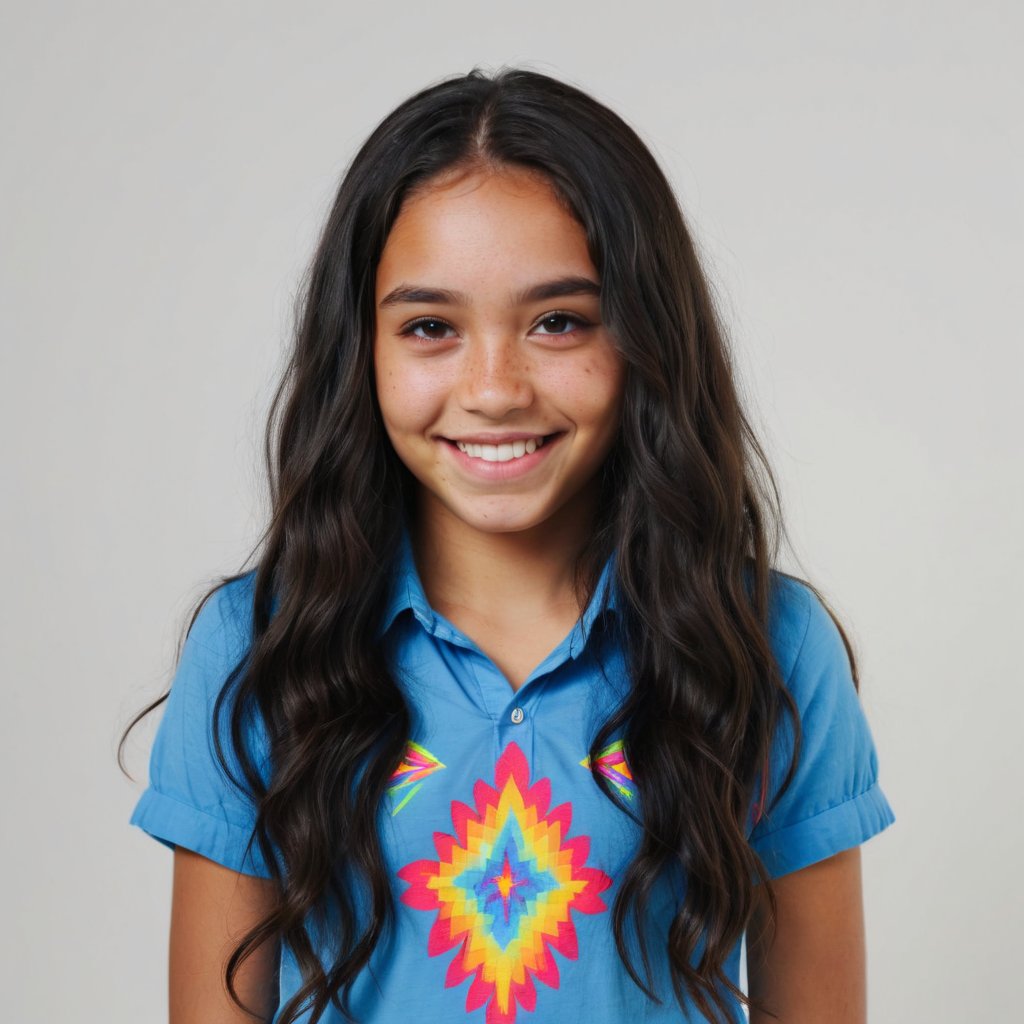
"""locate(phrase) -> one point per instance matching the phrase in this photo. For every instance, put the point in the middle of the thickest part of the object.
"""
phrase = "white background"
(853, 175)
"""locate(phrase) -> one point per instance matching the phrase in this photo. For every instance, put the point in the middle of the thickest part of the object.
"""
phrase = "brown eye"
(433, 327)
(554, 323)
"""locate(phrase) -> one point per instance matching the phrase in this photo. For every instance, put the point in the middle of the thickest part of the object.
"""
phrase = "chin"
(509, 524)
(499, 520)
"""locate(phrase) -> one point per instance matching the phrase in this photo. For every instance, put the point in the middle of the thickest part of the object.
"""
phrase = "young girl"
(514, 719)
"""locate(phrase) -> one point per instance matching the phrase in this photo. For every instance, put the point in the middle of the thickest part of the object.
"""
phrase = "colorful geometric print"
(611, 763)
(504, 886)
(417, 764)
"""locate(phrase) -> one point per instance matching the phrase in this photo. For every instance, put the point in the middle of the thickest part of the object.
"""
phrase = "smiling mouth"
(507, 451)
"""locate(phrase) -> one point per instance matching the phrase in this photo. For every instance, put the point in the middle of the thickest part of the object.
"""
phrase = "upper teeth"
(500, 452)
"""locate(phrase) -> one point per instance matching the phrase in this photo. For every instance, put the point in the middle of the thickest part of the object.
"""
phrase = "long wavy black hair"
(689, 505)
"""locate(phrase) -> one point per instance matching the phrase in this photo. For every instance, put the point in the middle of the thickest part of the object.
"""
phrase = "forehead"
(466, 230)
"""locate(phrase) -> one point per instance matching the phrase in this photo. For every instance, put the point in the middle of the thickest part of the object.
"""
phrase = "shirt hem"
(175, 823)
(837, 828)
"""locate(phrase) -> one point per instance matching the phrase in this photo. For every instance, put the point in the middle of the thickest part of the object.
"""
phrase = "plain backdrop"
(853, 176)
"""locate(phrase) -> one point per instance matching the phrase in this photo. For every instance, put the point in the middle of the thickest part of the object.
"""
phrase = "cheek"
(592, 393)
(409, 396)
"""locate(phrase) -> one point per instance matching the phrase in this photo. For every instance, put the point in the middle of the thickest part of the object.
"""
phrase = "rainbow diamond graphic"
(417, 764)
(611, 763)
(504, 887)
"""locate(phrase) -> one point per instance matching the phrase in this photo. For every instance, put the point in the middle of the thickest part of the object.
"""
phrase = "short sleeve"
(834, 801)
(190, 801)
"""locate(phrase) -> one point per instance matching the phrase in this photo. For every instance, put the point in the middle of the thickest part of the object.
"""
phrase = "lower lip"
(499, 471)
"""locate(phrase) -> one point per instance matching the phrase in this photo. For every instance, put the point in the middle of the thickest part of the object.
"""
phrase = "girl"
(513, 719)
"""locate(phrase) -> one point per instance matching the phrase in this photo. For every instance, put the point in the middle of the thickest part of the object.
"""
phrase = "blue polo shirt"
(505, 855)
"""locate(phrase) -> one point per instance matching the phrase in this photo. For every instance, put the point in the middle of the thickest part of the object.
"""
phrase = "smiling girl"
(514, 718)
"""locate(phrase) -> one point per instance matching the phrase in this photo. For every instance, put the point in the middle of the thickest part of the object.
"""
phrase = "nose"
(495, 378)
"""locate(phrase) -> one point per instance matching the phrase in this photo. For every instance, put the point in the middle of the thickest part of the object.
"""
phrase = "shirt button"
(517, 715)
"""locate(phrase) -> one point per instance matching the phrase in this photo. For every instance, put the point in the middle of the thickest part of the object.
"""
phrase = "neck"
(499, 575)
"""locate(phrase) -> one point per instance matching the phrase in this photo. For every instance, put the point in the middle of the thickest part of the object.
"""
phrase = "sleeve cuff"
(828, 832)
(174, 823)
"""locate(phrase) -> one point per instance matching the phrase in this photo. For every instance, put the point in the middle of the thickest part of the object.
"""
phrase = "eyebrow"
(558, 288)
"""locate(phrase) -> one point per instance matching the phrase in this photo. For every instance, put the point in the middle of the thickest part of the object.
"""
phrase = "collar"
(407, 592)
(406, 589)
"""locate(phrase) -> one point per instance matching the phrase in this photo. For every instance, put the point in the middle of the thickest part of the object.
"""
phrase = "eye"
(430, 324)
(557, 320)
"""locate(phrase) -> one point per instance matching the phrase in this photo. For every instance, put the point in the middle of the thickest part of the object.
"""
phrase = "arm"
(212, 908)
(814, 970)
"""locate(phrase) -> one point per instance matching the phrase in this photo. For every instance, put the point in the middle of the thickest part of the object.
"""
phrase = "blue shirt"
(504, 853)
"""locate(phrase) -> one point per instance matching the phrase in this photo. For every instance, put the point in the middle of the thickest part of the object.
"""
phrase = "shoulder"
(810, 651)
(217, 644)
(223, 625)
(219, 637)
(803, 634)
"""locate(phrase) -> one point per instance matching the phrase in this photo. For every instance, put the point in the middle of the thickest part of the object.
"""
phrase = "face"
(499, 387)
